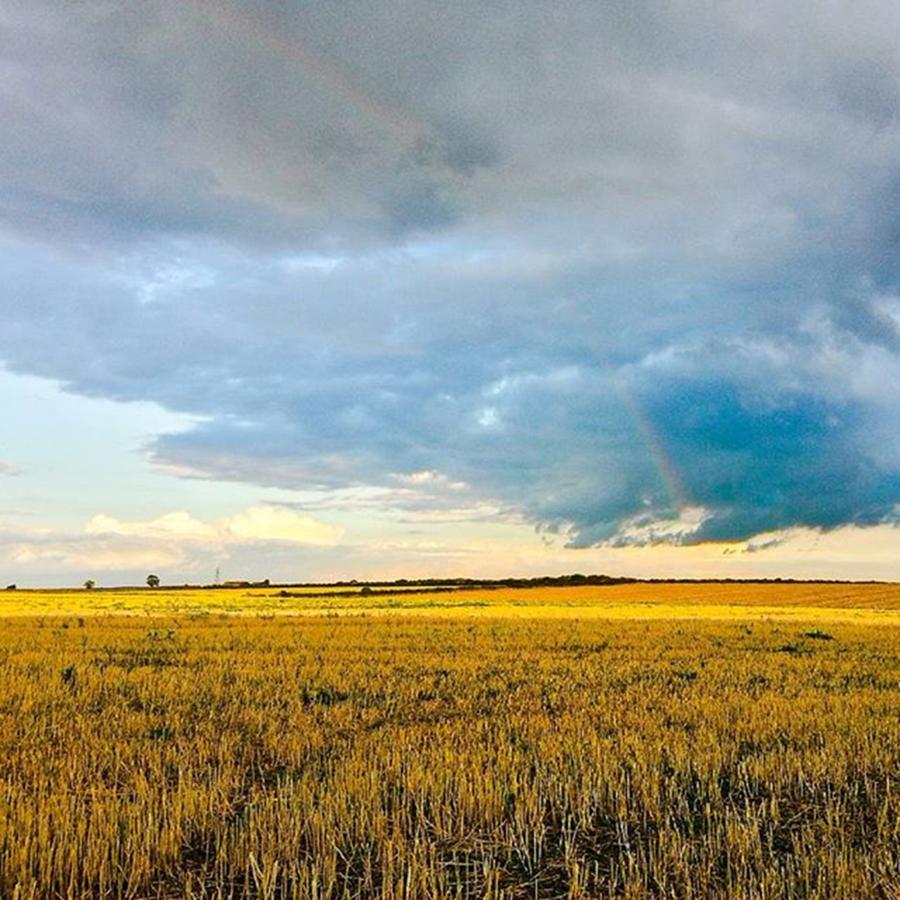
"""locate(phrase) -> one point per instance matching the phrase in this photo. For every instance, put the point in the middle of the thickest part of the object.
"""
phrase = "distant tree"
(153, 581)
(89, 584)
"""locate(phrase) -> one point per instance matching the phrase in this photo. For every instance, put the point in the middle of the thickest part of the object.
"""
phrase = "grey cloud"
(597, 261)
(325, 126)
(763, 545)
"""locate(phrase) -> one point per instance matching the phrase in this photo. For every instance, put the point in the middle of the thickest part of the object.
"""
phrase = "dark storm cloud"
(599, 262)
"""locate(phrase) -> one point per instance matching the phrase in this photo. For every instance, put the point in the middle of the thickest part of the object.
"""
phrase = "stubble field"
(738, 741)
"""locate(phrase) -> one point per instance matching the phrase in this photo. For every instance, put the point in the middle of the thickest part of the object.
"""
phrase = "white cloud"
(177, 542)
(642, 531)
(180, 525)
(270, 523)
(98, 554)
(258, 523)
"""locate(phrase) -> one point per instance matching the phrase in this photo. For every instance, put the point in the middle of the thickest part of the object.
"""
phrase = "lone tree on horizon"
(89, 584)
(153, 581)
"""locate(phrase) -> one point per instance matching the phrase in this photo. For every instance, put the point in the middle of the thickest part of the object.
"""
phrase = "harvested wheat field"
(625, 600)
(641, 740)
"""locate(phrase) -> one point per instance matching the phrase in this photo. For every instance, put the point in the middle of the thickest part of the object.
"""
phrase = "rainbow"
(401, 128)
(325, 75)
(656, 448)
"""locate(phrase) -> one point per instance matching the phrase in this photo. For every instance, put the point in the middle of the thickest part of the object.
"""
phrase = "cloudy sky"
(317, 290)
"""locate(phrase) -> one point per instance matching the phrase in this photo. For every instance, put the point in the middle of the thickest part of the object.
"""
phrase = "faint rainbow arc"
(662, 461)
(326, 75)
(410, 133)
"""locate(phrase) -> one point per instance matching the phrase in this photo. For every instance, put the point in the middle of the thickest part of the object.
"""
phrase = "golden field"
(668, 740)
(639, 599)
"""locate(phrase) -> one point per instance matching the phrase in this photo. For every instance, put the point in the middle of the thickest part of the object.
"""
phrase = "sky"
(311, 291)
